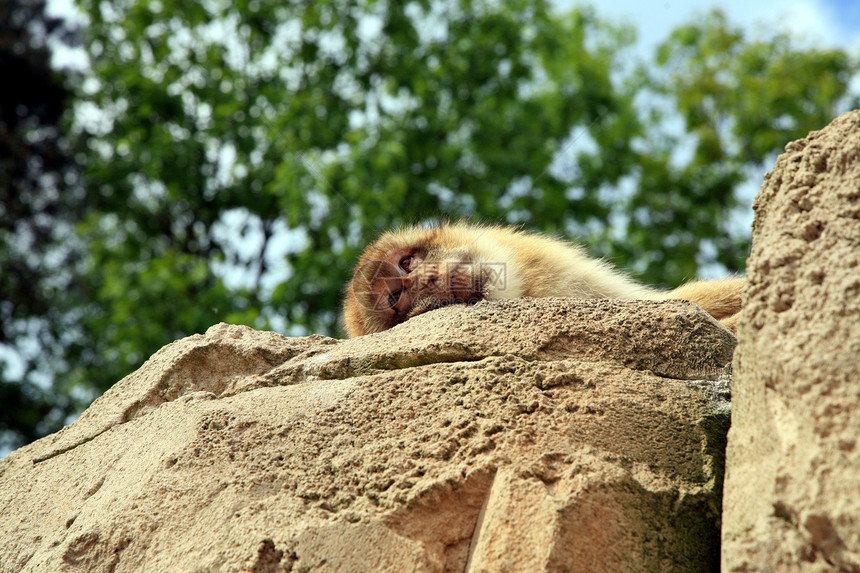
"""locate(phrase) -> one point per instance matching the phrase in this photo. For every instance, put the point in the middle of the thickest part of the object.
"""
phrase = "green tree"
(740, 100)
(36, 213)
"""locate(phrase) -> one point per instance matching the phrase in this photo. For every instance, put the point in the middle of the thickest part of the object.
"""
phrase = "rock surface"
(526, 435)
(792, 496)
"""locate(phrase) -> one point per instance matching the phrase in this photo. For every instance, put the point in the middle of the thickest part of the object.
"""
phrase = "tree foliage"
(739, 100)
(36, 212)
(238, 155)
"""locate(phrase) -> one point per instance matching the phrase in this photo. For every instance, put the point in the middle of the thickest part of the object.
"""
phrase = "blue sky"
(847, 16)
(820, 22)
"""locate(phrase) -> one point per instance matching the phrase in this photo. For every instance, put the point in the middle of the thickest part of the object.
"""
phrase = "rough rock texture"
(792, 497)
(527, 435)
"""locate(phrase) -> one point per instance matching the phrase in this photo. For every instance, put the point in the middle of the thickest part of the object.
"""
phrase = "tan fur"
(462, 262)
(721, 298)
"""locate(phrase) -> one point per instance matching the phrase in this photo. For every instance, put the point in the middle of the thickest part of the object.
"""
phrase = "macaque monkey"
(407, 272)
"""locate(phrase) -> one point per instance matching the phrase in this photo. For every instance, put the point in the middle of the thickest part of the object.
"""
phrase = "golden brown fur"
(410, 271)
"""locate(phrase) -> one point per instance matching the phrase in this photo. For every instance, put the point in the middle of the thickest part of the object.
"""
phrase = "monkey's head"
(405, 273)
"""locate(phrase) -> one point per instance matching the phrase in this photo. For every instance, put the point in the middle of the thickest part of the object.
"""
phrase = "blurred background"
(166, 165)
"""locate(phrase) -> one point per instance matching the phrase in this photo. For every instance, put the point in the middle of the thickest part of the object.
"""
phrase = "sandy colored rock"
(527, 435)
(792, 497)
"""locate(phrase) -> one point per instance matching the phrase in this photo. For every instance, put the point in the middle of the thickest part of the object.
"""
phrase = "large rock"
(527, 435)
(792, 497)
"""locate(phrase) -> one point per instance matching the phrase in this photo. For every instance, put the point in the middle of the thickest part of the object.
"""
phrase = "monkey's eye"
(394, 297)
(405, 263)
